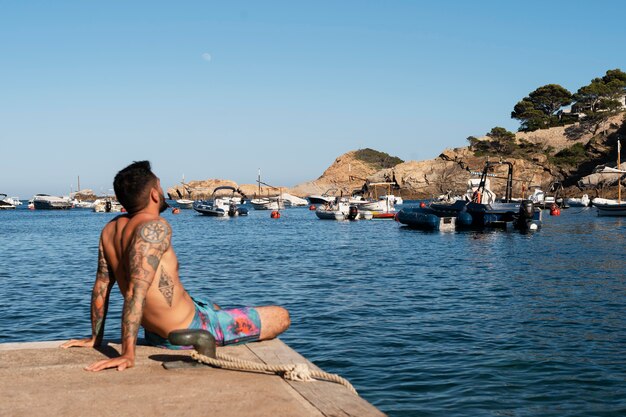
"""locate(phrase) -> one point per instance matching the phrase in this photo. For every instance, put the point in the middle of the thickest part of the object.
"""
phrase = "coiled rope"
(294, 372)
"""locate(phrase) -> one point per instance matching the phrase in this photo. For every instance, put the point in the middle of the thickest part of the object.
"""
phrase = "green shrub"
(378, 159)
(570, 156)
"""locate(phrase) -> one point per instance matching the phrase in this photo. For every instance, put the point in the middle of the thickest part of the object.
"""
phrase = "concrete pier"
(41, 379)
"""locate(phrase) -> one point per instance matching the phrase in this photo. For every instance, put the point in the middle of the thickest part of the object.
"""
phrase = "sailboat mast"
(619, 168)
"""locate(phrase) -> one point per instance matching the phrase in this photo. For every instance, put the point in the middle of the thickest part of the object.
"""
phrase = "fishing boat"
(49, 202)
(608, 207)
(382, 207)
(221, 206)
(269, 202)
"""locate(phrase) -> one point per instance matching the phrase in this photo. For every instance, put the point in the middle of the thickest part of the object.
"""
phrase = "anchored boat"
(480, 208)
(221, 206)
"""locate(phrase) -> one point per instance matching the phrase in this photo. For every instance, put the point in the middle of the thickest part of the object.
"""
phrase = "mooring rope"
(293, 372)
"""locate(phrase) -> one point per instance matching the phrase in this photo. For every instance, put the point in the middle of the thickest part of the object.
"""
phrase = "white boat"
(274, 202)
(7, 203)
(221, 205)
(583, 201)
(384, 205)
(397, 200)
(341, 210)
(107, 206)
(184, 203)
(15, 201)
(293, 201)
(268, 203)
(326, 197)
(607, 207)
(50, 202)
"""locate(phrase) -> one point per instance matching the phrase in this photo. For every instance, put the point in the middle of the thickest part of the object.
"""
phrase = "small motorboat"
(341, 210)
(7, 203)
(327, 197)
(221, 205)
(49, 202)
(583, 201)
(184, 203)
(107, 206)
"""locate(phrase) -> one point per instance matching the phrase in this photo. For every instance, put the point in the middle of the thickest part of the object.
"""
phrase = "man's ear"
(154, 195)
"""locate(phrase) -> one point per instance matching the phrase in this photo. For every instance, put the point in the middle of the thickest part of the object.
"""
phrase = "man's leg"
(274, 321)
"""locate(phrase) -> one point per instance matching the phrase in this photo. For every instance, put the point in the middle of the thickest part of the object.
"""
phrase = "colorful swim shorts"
(229, 326)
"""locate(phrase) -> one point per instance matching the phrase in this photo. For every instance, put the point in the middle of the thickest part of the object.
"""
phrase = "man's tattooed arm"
(151, 240)
(100, 297)
(99, 304)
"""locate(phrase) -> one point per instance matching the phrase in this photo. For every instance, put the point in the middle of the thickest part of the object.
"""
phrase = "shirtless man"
(135, 251)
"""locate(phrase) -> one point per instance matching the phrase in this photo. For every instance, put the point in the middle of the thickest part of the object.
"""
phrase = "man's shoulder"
(153, 230)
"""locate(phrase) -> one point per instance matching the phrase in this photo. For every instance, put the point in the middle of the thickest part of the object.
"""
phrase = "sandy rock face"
(450, 172)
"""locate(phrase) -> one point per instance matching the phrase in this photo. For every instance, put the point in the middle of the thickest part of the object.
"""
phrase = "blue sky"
(219, 89)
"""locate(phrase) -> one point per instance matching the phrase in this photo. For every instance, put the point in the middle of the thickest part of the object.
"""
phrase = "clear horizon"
(206, 90)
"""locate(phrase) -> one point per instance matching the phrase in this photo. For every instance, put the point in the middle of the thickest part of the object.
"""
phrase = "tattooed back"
(138, 249)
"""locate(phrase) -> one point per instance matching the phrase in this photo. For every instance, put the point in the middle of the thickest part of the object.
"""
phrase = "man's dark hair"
(132, 185)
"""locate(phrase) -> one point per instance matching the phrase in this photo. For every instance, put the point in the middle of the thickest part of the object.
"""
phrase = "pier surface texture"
(41, 379)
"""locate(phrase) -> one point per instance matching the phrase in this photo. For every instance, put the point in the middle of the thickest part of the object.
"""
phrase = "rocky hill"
(565, 154)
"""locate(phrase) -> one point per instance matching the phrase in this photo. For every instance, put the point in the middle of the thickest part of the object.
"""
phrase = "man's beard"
(162, 204)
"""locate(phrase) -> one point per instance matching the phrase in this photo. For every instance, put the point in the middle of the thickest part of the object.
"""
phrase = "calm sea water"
(430, 324)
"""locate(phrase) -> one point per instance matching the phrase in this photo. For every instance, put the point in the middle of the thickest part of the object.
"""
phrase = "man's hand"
(120, 363)
(88, 342)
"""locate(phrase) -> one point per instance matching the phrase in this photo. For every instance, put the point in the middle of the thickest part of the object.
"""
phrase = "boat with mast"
(609, 207)
(269, 202)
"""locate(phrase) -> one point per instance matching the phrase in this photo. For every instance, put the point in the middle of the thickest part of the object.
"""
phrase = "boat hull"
(265, 204)
(184, 204)
(318, 199)
(610, 209)
(330, 215)
(423, 220)
(52, 205)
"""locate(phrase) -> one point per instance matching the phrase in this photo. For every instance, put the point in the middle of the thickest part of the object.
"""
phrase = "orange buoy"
(275, 214)
(422, 205)
(312, 207)
(555, 210)
(175, 210)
